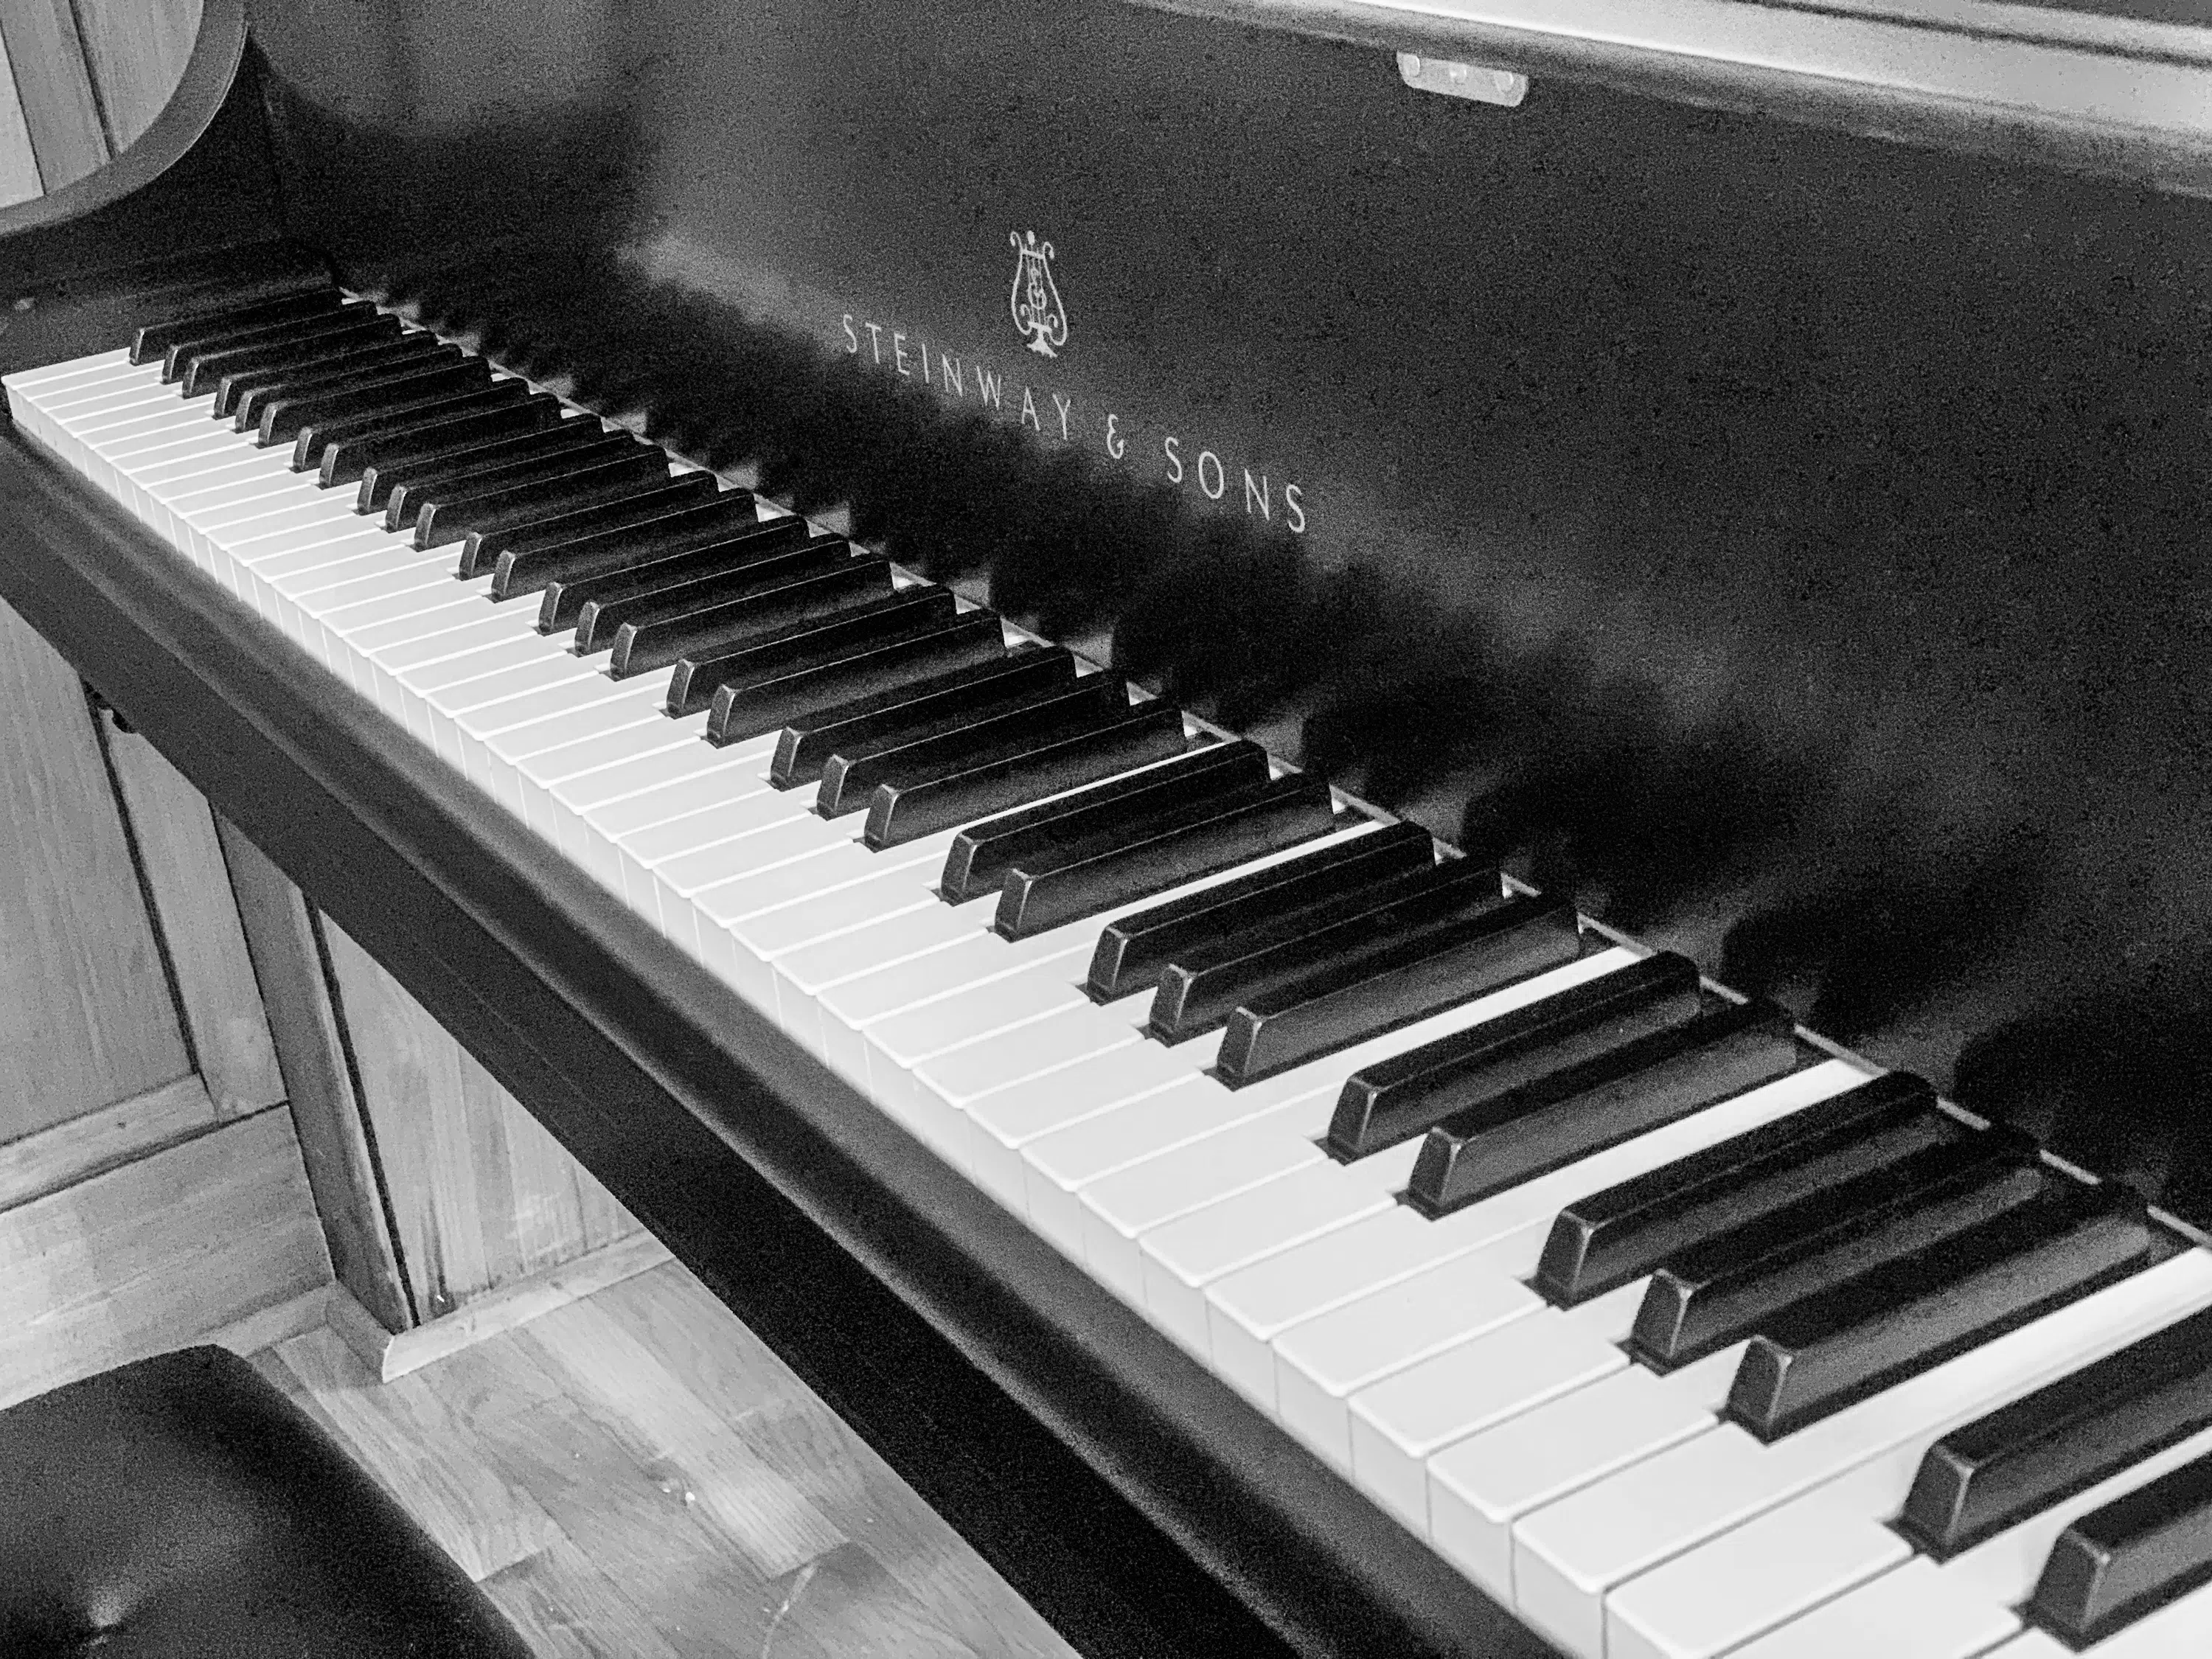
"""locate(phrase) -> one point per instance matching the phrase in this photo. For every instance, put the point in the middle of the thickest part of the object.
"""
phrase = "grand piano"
(1558, 654)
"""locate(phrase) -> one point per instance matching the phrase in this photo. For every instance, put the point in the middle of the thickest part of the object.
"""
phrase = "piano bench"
(182, 1505)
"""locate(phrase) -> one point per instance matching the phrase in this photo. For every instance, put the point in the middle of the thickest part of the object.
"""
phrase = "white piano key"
(1008, 1128)
(924, 956)
(1911, 1611)
(97, 366)
(775, 835)
(1112, 1141)
(943, 1088)
(1216, 1172)
(1182, 1258)
(934, 1028)
(1479, 1486)
(55, 392)
(403, 642)
(687, 835)
(1250, 1309)
(1747, 1582)
(1395, 1425)
(854, 998)
(1567, 1555)
(782, 914)
(100, 418)
(1121, 1204)
(107, 416)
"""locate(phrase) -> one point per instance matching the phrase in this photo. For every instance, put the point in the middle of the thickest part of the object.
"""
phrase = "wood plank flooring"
(635, 1476)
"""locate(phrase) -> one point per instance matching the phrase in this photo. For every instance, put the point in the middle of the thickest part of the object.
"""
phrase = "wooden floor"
(635, 1476)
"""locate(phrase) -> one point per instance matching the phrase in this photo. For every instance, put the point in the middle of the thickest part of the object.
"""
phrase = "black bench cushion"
(182, 1505)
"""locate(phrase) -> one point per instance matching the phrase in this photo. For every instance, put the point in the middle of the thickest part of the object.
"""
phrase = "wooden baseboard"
(281, 1321)
(389, 1354)
(39, 1164)
(212, 1234)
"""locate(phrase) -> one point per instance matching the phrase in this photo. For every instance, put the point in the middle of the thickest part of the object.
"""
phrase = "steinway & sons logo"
(1038, 310)
(1043, 320)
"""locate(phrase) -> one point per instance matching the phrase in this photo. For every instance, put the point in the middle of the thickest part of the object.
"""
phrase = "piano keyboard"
(1674, 1333)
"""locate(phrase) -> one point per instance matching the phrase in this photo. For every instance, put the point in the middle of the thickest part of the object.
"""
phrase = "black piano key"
(155, 339)
(1602, 1102)
(1132, 953)
(245, 402)
(382, 358)
(284, 418)
(642, 645)
(721, 517)
(752, 704)
(1199, 990)
(254, 394)
(589, 511)
(1725, 1289)
(1237, 829)
(1410, 978)
(289, 420)
(1105, 816)
(200, 372)
(1132, 736)
(419, 402)
(849, 780)
(547, 459)
(351, 460)
(597, 605)
(683, 584)
(1602, 1241)
(315, 441)
(2115, 1565)
(1407, 1095)
(490, 523)
(917, 708)
(805, 646)
(1906, 1315)
(177, 355)
(2021, 1459)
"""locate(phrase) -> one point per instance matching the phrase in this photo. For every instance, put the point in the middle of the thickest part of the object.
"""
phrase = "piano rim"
(211, 71)
(596, 1022)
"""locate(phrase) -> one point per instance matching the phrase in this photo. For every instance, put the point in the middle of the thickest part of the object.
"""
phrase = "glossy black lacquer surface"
(1795, 541)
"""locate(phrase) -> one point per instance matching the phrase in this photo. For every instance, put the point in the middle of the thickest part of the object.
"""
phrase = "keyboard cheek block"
(1272, 1034)
(1603, 1101)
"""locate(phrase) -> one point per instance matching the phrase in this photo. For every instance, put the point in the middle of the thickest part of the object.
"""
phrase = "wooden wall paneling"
(155, 1254)
(183, 865)
(85, 1018)
(333, 1142)
(69, 1152)
(19, 163)
(137, 51)
(54, 84)
(481, 1195)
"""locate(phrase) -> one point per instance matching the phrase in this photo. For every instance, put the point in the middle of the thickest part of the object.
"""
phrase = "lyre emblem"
(1038, 310)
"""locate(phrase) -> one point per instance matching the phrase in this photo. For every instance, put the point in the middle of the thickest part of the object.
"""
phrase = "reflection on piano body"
(1072, 503)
